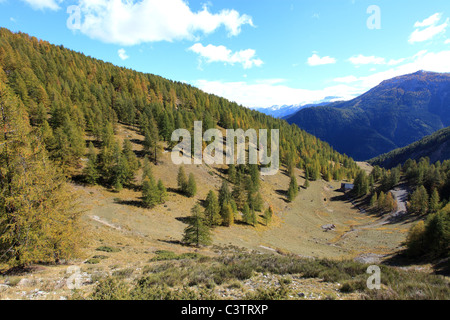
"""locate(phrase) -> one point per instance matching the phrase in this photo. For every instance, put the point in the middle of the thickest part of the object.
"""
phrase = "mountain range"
(392, 115)
(285, 111)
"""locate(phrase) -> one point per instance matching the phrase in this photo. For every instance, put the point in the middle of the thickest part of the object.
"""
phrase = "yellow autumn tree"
(38, 217)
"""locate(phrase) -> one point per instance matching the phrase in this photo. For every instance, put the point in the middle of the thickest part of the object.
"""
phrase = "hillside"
(124, 241)
(86, 171)
(394, 114)
(436, 147)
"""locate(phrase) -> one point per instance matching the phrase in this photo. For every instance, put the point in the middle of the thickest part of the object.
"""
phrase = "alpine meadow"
(114, 184)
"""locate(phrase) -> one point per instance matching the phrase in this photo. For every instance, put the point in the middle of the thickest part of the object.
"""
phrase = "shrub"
(107, 249)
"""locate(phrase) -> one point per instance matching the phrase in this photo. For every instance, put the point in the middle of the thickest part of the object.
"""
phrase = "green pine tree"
(162, 192)
(182, 180)
(150, 193)
(191, 188)
(90, 171)
(212, 210)
(293, 189)
(197, 233)
(268, 214)
(227, 214)
(434, 205)
(38, 214)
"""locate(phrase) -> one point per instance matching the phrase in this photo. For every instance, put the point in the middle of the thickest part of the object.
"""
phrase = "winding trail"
(400, 194)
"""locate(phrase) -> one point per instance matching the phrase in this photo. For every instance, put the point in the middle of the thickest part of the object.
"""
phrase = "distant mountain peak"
(283, 111)
(393, 114)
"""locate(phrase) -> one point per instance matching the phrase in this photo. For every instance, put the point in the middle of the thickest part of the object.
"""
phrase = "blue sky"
(256, 52)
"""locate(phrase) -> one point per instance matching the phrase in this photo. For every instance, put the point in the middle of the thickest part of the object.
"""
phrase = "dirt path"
(400, 195)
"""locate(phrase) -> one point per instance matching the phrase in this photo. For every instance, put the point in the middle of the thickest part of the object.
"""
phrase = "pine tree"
(247, 215)
(132, 161)
(232, 173)
(212, 211)
(239, 192)
(162, 192)
(166, 127)
(293, 189)
(227, 214)
(151, 140)
(415, 241)
(182, 180)
(389, 202)
(361, 183)
(224, 193)
(290, 165)
(268, 214)
(147, 170)
(38, 215)
(434, 205)
(150, 193)
(191, 188)
(197, 233)
(90, 171)
(373, 200)
(120, 169)
(257, 202)
(255, 177)
(419, 201)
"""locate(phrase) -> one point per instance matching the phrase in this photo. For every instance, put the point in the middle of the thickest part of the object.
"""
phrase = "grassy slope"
(116, 220)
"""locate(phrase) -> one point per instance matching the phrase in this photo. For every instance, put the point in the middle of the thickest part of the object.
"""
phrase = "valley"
(117, 220)
(92, 206)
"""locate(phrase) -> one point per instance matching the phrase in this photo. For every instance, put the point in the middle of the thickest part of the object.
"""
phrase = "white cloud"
(316, 60)
(360, 59)
(447, 41)
(366, 60)
(429, 21)
(122, 54)
(428, 29)
(270, 92)
(131, 22)
(423, 60)
(44, 4)
(263, 94)
(212, 53)
(394, 62)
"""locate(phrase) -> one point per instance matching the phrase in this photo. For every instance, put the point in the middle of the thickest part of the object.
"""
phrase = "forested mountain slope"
(436, 147)
(394, 114)
(68, 95)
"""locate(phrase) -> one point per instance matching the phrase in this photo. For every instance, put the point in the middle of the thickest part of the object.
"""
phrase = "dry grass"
(116, 220)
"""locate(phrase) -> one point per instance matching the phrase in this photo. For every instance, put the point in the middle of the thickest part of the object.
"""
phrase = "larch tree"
(224, 193)
(212, 210)
(38, 216)
(162, 192)
(132, 161)
(90, 171)
(150, 194)
(182, 180)
(191, 188)
(293, 189)
(268, 214)
(435, 204)
(197, 233)
(227, 214)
